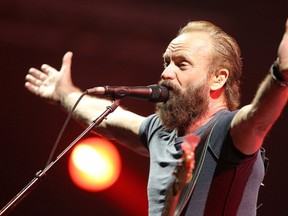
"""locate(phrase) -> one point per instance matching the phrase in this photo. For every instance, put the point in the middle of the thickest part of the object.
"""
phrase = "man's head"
(202, 62)
(227, 55)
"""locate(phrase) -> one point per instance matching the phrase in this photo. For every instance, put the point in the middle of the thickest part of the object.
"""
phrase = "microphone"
(152, 93)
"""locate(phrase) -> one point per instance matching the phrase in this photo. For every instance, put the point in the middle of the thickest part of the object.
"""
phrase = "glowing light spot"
(94, 164)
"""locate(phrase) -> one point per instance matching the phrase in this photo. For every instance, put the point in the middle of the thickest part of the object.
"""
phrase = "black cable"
(63, 128)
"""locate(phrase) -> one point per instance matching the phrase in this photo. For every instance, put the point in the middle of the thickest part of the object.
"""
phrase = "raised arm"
(251, 124)
(57, 86)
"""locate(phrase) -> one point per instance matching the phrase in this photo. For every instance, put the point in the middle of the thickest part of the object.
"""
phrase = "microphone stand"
(42, 173)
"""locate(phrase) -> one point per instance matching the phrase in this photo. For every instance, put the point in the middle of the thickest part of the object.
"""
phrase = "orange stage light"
(94, 164)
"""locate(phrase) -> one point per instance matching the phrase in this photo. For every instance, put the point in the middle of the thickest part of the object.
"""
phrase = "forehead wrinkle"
(189, 46)
(177, 53)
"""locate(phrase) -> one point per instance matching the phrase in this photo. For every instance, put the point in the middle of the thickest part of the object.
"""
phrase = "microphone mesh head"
(159, 93)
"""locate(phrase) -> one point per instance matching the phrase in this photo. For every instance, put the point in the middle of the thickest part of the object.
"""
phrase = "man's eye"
(165, 64)
(182, 64)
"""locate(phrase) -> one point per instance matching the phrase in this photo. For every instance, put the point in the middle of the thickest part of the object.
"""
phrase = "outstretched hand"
(283, 53)
(49, 83)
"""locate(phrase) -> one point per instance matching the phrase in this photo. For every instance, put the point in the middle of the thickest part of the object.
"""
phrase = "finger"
(47, 69)
(67, 61)
(283, 51)
(33, 81)
(37, 74)
(32, 88)
(286, 30)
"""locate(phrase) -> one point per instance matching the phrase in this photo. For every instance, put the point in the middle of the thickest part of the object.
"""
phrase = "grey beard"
(183, 108)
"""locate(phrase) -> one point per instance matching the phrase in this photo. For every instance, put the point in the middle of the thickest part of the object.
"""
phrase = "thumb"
(283, 50)
(66, 65)
(67, 61)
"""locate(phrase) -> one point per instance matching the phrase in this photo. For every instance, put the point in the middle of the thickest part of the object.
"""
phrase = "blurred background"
(115, 43)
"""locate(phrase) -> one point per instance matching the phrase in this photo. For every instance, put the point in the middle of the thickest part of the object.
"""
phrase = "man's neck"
(213, 108)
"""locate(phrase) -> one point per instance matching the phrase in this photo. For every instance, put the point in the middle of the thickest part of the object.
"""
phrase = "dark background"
(115, 43)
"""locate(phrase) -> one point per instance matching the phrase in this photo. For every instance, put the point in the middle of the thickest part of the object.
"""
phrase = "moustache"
(170, 86)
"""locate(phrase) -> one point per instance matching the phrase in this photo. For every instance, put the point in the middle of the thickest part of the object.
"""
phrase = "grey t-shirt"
(165, 152)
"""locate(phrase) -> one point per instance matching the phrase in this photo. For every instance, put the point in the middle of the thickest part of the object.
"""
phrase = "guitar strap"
(200, 154)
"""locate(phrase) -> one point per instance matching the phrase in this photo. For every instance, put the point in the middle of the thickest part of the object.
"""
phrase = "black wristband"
(275, 73)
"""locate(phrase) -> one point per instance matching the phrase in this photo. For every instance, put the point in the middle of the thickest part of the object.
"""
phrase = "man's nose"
(169, 72)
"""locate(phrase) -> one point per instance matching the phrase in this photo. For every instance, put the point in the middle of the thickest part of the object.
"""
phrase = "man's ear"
(218, 79)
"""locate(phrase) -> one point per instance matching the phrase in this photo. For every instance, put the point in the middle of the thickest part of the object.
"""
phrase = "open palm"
(48, 83)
